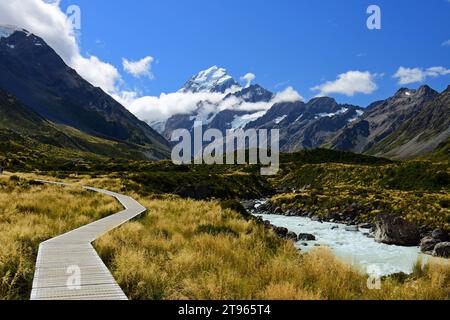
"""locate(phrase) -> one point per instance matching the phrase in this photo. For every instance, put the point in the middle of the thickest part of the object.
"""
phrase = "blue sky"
(284, 42)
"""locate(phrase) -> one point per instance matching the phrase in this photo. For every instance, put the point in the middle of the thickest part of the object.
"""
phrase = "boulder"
(440, 235)
(442, 250)
(352, 228)
(262, 208)
(278, 211)
(248, 204)
(267, 224)
(291, 236)
(394, 230)
(428, 244)
(281, 232)
(306, 237)
(290, 213)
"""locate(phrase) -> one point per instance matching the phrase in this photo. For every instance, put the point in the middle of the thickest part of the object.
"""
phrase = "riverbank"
(354, 244)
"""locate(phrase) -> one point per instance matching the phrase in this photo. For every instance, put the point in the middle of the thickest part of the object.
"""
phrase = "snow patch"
(280, 119)
(207, 80)
(330, 115)
(299, 118)
(359, 114)
(241, 122)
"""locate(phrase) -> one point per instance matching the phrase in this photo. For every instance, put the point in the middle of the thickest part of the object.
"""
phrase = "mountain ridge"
(35, 74)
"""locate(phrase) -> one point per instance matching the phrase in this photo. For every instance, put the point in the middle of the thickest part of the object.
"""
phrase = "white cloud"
(413, 75)
(152, 109)
(446, 43)
(139, 68)
(248, 79)
(46, 20)
(349, 84)
(287, 95)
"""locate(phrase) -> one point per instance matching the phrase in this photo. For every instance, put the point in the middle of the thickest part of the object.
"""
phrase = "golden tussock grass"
(184, 249)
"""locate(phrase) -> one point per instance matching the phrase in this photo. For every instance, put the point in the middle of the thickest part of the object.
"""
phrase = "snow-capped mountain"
(235, 108)
(302, 125)
(214, 79)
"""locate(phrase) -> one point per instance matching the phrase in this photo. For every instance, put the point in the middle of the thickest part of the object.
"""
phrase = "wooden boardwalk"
(68, 267)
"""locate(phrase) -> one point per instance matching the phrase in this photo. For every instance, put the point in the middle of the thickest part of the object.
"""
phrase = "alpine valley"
(355, 187)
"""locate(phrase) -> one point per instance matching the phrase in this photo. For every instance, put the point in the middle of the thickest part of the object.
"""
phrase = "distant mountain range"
(44, 101)
(410, 124)
(39, 79)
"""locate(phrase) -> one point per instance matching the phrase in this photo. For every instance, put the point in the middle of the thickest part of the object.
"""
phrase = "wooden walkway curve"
(72, 254)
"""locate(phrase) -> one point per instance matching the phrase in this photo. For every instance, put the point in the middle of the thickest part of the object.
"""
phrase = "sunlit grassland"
(183, 249)
(416, 191)
(31, 213)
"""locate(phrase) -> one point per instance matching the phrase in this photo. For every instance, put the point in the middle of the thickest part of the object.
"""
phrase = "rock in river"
(394, 230)
(291, 236)
(281, 232)
(306, 237)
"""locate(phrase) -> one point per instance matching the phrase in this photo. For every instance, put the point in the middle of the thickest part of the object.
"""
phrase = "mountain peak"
(214, 79)
(424, 90)
(7, 30)
(253, 93)
(322, 101)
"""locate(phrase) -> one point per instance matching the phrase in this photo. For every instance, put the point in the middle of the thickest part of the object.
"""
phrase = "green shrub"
(216, 230)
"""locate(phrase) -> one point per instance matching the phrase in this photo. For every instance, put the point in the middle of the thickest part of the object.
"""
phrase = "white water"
(350, 246)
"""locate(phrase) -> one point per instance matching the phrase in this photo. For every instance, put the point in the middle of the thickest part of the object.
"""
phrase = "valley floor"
(186, 249)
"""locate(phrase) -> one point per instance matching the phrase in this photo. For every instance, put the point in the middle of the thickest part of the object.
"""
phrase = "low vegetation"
(197, 242)
(185, 249)
(417, 191)
(31, 213)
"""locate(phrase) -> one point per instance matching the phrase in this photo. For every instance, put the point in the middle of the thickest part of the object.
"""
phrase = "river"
(354, 247)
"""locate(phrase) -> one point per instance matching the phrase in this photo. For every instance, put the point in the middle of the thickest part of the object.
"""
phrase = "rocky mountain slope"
(35, 74)
(421, 135)
(23, 131)
(407, 125)
(307, 125)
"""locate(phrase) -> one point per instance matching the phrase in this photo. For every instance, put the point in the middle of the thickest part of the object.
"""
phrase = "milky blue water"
(352, 247)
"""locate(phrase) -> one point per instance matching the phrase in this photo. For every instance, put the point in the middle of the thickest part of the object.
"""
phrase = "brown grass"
(167, 256)
(185, 249)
